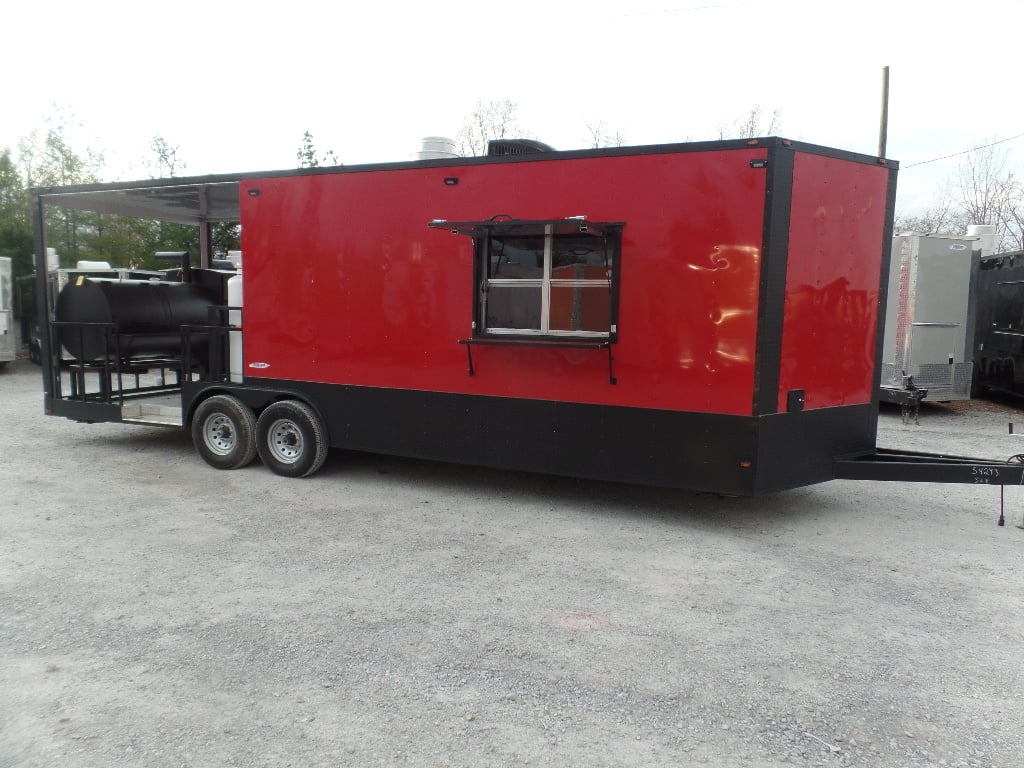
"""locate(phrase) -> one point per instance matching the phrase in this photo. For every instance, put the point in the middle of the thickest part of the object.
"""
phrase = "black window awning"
(505, 226)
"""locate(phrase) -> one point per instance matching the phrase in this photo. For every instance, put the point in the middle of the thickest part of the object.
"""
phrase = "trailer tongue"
(704, 316)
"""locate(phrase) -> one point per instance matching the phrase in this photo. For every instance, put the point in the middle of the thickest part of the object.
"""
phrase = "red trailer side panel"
(832, 281)
(346, 284)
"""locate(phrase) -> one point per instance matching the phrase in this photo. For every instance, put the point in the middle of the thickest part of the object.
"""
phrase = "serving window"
(550, 280)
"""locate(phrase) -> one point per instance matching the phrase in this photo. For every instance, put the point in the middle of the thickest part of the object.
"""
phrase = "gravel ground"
(157, 612)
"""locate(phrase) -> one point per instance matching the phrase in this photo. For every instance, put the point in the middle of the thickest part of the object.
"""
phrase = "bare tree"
(488, 120)
(942, 216)
(309, 157)
(752, 124)
(165, 163)
(1013, 237)
(984, 189)
(989, 192)
(600, 135)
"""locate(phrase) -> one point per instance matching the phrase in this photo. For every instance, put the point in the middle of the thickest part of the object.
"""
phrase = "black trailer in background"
(999, 326)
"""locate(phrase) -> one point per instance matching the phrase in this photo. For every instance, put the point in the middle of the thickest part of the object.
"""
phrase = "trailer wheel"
(291, 439)
(224, 432)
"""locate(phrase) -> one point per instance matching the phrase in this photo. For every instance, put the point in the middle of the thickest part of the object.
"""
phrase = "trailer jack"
(908, 398)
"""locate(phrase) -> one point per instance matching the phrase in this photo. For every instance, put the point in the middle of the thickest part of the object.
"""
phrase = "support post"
(883, 128)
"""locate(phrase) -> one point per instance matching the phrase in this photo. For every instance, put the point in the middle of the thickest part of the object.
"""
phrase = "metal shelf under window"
(547, 342)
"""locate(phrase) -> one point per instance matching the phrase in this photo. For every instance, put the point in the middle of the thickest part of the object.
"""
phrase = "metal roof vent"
(437, 148)
(988, 240)
(500, 147)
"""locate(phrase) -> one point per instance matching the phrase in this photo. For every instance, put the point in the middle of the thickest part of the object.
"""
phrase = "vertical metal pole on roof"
(883, 129)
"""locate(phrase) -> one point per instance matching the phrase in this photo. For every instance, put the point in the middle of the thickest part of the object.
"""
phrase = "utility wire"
(687, 10)
(964, 152)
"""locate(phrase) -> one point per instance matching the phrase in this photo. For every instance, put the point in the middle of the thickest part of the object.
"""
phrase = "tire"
(291, 439)
(224, 432)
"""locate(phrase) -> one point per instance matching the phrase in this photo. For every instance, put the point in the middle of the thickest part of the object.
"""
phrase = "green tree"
(51, 161)
(15, 221)
(165, 163)
(124, 241)
(226, 237)
(132, 242)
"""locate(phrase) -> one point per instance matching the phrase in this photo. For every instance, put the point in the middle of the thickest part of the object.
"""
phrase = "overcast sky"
(235, 84)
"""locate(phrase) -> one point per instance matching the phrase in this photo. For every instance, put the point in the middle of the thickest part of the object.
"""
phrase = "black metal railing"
(206, 349)
(94, 362)
(109, 376)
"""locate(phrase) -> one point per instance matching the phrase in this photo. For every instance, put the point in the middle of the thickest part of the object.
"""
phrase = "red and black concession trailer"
(703, 316)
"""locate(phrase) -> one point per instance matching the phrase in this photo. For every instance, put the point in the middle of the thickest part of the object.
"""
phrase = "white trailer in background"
(8, 336)
(929, 323)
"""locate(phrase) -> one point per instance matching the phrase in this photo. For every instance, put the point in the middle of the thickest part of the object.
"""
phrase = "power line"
(687, 10)
(964, 152)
